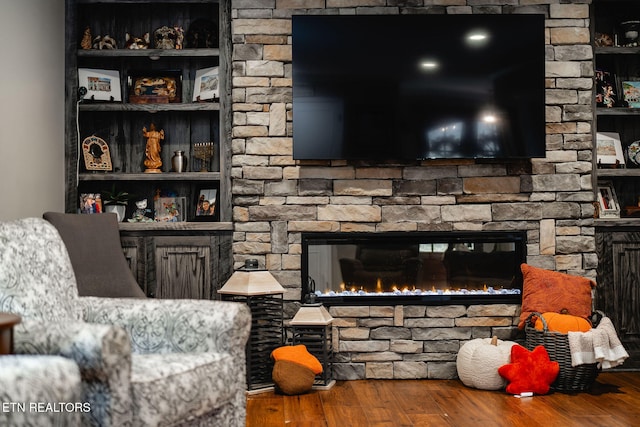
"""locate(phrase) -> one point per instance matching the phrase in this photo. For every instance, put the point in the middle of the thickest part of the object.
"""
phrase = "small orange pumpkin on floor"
(563, 322)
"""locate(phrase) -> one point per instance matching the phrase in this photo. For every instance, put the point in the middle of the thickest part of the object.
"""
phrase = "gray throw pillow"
(93, 243)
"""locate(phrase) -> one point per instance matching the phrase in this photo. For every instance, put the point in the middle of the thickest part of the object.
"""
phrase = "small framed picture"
(206, 204)
(169, 209)
(631, 93)
(609, 150)
(155, 87)
(608, 201)
(606, 92)
(206, 85)
(101, 85)
(90, 203)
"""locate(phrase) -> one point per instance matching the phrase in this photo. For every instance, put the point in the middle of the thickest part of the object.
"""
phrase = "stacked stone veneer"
(275, 198)
(413, 341)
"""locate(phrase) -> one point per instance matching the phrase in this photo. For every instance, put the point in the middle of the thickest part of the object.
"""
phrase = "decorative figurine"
(106, 42)
(603, 40)
(203, 151)
(153, 162)
(85, 43)
(180, 36)
(166, 38)
(140, 214)
(609, 98)
(134, 43)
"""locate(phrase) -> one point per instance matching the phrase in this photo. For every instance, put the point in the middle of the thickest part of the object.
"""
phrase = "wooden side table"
(7, 322)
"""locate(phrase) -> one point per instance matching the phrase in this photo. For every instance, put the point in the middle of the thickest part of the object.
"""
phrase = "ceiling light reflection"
(477, 38)
(489, 118)
(429, 65)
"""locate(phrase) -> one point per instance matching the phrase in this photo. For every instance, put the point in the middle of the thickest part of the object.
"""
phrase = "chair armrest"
(169, 326)
(100, 351)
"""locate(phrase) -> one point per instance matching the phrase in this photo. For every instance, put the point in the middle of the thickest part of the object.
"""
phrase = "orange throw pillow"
(298, 354)
(545, 290)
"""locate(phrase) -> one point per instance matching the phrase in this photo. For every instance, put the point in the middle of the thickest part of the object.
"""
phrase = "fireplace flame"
(351, 289)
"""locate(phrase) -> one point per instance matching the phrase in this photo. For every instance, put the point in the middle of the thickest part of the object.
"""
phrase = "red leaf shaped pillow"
(529, 370)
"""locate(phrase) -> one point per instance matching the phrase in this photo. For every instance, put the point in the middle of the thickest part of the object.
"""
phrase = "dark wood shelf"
(154, 1)
(165, 176)
(150, 108)
(618, 172)
(176, 226)
(617, 50)
(152, 54)
(617, 111)
(617, 222)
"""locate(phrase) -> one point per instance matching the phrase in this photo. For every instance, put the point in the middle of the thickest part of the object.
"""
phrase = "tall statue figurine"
(153, 162)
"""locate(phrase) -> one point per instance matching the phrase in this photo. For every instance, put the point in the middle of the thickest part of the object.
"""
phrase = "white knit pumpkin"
(478, 362)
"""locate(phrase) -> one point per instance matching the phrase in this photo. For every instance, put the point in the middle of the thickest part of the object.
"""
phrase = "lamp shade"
(311, 315)
(249, 282)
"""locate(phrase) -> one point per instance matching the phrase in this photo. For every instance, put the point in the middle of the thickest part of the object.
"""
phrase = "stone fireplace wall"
(275, 198)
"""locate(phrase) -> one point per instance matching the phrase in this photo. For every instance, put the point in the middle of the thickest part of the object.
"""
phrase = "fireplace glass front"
(422, 268)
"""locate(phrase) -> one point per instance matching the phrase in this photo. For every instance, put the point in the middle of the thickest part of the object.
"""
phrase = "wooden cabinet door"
(626, 273)
(183, 267)
(618, 290)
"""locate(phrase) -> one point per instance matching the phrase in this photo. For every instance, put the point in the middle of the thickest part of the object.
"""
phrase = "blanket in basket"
(599, 345)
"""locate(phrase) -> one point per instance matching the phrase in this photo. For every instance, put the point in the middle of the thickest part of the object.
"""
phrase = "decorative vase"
(119, 210)
(179, 161)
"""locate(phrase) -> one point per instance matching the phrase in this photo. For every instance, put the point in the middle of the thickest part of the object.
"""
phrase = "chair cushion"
(170, 387)
(93, 243)
(36, 276)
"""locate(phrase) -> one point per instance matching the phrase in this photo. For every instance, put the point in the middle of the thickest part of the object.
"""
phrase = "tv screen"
(411, 87)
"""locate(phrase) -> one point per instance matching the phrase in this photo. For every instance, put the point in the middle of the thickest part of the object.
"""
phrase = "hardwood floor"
(613, 401)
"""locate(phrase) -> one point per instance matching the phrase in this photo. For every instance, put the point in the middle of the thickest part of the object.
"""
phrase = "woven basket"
(570, 378)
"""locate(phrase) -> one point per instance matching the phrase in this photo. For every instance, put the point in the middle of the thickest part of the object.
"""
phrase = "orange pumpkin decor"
(563, 322)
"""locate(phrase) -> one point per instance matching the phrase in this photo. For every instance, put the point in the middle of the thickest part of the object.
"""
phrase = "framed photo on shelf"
(169, 209)
(609, 207)
(90, 203)
(101, 85)
(606, 89)
(631, 93)
(206, 205)
(155, 87)
(609, 150)
(206, 86)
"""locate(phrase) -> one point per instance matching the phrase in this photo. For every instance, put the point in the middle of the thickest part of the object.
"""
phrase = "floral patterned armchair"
(40, 391)
(143, 362)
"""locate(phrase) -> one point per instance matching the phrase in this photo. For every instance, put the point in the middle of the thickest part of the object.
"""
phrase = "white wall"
(31, 108)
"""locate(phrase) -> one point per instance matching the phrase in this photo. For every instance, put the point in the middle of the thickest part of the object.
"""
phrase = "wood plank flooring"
(613, 401)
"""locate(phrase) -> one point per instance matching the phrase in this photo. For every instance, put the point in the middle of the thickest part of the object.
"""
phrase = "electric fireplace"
(432, 268)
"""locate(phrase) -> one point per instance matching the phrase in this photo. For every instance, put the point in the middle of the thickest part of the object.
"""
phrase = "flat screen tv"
(413, 87)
